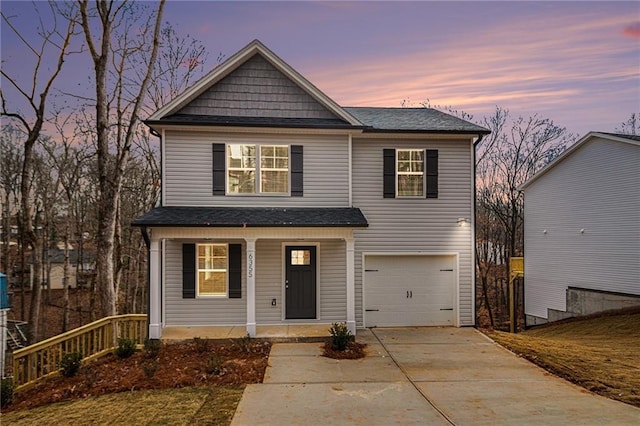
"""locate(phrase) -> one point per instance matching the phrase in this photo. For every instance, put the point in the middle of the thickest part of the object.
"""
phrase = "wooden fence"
(42, 359)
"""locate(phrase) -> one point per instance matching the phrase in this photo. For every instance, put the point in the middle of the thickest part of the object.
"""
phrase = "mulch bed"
(354, 350)
(192, 363)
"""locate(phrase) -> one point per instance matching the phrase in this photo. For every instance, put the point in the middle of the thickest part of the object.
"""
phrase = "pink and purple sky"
(577, 63)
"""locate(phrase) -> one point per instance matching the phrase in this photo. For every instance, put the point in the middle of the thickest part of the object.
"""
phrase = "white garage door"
(409, 290)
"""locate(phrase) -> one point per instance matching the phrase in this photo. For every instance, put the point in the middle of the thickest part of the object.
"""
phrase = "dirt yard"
(599, 353)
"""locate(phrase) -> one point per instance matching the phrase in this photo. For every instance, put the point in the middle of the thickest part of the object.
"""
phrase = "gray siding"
(257, 89)
(596, 188)
(202, 311)
(188, 170)
(416, 225)
(269, 285)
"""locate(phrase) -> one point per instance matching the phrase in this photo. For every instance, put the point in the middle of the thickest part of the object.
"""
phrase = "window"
(212, 270)
(260, 169)
(301, 257)
(410, 172)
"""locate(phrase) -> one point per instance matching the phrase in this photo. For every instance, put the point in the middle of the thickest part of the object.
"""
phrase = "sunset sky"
(577, 63)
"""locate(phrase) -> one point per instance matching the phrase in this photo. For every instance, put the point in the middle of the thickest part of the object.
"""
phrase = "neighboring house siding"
(416, 225)
(199, 311)
(188, 170)
(596, 188)
(257, 89)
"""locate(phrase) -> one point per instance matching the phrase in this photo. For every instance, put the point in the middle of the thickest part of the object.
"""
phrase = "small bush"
(243, 343)
(70, 363)
(340, 336)
(202, 345)
(152, 347)
(149, 368)
(6, 391)
(126, 348)
(213, 365)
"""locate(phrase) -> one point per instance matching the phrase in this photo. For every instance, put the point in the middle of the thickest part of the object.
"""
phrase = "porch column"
(351, 285)
(155, 327)
(251, 286)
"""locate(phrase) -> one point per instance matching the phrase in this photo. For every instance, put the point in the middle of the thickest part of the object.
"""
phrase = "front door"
(300, 282)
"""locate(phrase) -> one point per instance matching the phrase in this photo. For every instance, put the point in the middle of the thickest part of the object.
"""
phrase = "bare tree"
(35, 93)
(631, 126)
(124, 33)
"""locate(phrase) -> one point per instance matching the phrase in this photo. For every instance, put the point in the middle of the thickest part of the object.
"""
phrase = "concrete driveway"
(422, 375)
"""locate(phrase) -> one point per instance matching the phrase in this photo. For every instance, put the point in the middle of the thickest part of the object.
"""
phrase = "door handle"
(411, 294)
(407, 294)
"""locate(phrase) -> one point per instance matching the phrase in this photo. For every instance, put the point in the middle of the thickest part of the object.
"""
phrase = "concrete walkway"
(425, 376)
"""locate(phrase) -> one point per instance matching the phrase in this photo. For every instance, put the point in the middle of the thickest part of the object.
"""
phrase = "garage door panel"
(429, 280)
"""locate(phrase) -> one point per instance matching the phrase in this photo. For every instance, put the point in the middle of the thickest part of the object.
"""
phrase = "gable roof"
(423, 120)
(615, 137)
(235, 61)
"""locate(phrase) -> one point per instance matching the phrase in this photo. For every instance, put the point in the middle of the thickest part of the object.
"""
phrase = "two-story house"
(281, 207)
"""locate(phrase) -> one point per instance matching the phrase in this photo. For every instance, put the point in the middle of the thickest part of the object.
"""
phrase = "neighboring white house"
(582, 230)
(280, 207)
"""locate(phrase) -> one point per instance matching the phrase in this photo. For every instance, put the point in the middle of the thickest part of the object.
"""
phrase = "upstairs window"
(257, 169)
(410, 173)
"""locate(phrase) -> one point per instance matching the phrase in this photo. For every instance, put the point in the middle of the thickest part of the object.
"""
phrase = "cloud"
(632, 30)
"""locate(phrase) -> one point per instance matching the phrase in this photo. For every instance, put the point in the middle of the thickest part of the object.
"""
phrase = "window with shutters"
(410, 172)
(257, 169)
(212, 273)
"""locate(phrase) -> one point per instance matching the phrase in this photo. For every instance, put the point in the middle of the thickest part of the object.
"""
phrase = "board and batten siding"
(199, 311)
(595, 188)
(188, 170)
(417, 225)
(257, 89)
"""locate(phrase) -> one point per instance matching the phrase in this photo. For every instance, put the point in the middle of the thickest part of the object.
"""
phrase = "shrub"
(6, 391)
(126, 348)
(243, 343)
(152, 347)
(70, 363)
(202, 345)
(213, 365)
(340, 336)
(149, 368)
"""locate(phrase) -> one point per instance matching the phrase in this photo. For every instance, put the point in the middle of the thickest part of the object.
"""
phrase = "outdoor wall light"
(462, 222)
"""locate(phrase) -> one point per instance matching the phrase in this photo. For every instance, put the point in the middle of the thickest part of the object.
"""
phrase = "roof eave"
(162, 123)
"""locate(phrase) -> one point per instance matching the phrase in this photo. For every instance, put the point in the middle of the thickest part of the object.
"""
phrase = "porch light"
(462, 222)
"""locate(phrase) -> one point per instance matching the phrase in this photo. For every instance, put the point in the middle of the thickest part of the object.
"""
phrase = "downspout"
(473, 245)
(350, 148)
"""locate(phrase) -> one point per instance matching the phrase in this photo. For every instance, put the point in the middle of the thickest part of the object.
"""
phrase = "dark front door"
(300, 282)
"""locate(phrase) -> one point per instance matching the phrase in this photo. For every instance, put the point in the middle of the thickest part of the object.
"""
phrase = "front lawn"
(601, 354)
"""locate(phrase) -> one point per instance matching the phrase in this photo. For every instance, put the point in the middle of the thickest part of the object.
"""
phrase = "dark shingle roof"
(421, 120)
(620, 135)
(223, 120)
(252, 217)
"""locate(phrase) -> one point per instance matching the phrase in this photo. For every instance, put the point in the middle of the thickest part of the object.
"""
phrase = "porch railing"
(42, 359)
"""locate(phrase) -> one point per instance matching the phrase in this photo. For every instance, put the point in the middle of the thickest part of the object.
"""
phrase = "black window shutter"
(432, 173)
(219, 166)
(297, 163)
(188, 271)
(235, 271)
(389, 173)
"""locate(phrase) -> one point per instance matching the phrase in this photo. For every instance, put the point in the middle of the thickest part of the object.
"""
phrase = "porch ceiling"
(245, 217)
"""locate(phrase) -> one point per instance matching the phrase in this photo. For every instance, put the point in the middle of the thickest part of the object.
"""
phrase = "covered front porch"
(292, 277)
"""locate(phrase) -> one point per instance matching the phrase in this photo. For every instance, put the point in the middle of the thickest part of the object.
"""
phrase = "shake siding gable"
(257, 89)
(595, 188)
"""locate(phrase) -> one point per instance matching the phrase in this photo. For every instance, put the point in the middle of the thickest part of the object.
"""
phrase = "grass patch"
(186, 406)
(598, 353)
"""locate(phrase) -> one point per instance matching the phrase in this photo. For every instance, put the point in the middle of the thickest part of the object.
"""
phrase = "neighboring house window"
(212, 270)
(260, 169)
(410, 172)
